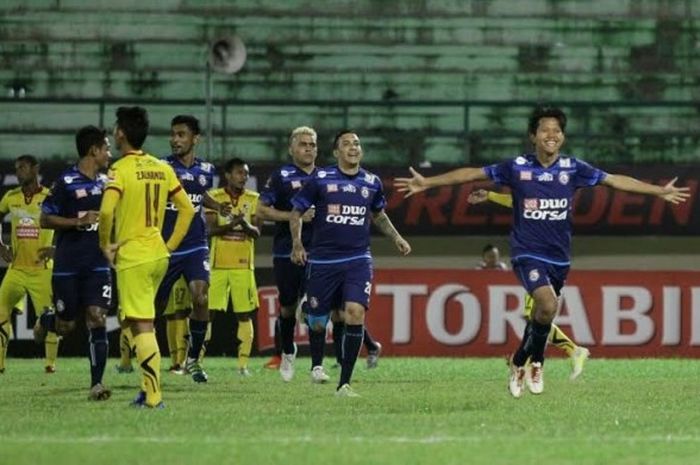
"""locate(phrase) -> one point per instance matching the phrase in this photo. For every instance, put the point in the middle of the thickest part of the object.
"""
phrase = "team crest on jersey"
(284, 173)
(565, 163)
(313, 302)
(530, 204)
(322, 174)
(80, 193)
(296, 184)
(526, 175)
(349, 188)
(332, 188)
(533, 275)
(520, 161)
(564, 178)
(365, 192)
(202, 180)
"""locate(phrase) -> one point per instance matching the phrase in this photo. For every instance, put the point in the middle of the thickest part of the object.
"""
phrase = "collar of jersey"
(138, 153)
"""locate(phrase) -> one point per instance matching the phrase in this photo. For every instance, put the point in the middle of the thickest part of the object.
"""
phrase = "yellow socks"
(177, 332)
(5, 336)
(559, 339)
(170, 327)
(181, 331)
(148, 355)
(51, 349)
(126, 344)
(245, 335)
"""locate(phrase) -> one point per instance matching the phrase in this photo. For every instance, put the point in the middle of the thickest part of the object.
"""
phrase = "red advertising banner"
(470, 313)
(445, 210)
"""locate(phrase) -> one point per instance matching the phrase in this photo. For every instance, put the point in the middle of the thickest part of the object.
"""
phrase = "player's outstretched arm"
(48, 221)
(298, 251)
(669, 192)
(384, 224)
(185, 213)
(482, 195)
(418, 183)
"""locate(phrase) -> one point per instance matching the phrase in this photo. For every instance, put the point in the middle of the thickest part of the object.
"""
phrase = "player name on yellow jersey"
(145, 183)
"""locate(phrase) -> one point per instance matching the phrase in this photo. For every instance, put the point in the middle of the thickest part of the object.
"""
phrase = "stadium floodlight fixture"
(226, 55)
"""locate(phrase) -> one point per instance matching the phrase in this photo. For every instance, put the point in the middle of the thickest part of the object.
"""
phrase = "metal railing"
(474, 138)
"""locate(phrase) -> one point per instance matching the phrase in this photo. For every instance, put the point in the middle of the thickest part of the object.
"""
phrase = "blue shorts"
(81, 290)
(533, 273)
(193, 266)
(329, 286)
(290, 279)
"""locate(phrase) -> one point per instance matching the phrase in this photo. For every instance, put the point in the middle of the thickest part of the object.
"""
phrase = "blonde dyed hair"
(300, 131)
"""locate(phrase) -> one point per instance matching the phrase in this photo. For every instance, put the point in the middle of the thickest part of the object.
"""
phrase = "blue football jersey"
(71, 196)
(196, 180)
(343, 213)
(543, 203)
(279, 189)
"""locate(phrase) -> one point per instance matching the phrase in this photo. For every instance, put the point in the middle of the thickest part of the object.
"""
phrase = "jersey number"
(152, 198)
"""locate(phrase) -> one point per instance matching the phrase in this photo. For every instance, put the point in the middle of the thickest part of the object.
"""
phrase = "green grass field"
(412, 411)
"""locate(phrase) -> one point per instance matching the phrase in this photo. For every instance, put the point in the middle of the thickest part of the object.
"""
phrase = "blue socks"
(198, 330)
(352, 341)
(98, 354)
(286, 333)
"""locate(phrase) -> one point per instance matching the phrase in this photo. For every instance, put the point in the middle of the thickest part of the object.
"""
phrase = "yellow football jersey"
(144, 183)
(235, 250)
(27, 235)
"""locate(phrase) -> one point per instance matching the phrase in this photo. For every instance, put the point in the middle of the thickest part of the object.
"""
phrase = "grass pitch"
(412, 411)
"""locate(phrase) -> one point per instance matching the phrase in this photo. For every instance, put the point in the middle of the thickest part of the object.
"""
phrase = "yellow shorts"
(18, 283)
(180, 298)
(239, 284)
(529, 306)
(137, 288)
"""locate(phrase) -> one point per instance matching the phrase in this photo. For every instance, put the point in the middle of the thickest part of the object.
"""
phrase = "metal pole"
(208, 108)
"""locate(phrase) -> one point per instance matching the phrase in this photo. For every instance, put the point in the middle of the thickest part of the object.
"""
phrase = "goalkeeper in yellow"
(557, 337)
(131, 218)
(29, 257)
(232, 251)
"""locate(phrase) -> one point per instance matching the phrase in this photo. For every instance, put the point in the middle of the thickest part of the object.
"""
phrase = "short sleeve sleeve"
(54, 203)
(3, 205)
(500, 173)
(587, 175)
(268, 196)
(379, 199)
(306, 197)
(174, 185)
